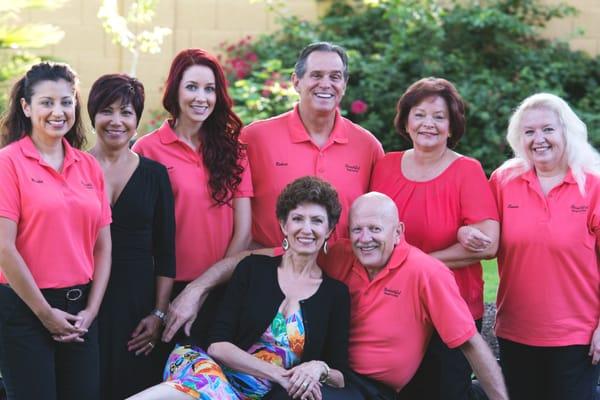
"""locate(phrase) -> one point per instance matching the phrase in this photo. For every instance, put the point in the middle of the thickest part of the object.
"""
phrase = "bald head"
(375, 203)
(374, 229)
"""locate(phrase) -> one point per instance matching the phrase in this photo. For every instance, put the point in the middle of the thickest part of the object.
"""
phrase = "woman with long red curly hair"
(206, 164)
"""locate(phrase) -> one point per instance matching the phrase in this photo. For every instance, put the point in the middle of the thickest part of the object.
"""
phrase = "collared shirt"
(281, 150)
(393, 315)
(433, 210)
(203, 230)
(58, 213)
(549, 290)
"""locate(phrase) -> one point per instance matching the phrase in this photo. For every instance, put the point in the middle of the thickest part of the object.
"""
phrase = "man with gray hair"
(312, 139)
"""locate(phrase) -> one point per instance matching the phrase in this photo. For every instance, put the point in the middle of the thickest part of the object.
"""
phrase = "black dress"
(143, 247)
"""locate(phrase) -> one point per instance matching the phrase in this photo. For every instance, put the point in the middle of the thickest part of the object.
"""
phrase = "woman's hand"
(473, 239)
(145, 335)
(304, 380)
(595, 347)
(63, 326)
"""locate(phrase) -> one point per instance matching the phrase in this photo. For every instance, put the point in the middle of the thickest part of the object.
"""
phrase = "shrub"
(490, 49)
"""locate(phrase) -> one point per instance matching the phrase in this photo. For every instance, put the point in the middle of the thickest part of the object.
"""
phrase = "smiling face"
(197, 95)
(428, 124)
(51, 110)
(116, 125)
(306, 228)
(544, 139)
(322, 86)
(374, 229)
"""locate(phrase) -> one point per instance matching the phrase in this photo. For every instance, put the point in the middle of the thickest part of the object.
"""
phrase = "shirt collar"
(166, 133)
(29, 150)
(531, 177)
(299, 134)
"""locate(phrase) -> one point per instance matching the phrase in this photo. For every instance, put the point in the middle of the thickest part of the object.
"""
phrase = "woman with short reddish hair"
(206, 164)
(437, 191)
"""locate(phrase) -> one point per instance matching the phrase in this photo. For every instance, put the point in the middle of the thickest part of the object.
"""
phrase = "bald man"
(399, 295)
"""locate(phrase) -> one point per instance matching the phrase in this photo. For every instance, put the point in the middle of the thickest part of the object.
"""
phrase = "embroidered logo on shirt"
(391, 292)
(352, 168)
(87, 185)
(281, 164)
(37, 180)
(578, 209)
(511, 205)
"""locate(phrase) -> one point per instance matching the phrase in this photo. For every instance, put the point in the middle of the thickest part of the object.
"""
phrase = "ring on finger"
(151, 345)
(305, 385)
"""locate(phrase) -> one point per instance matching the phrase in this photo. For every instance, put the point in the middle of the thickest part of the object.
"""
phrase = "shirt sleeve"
(228, 317)
(163, 227)
(10, 198)
(445, 307)
(594, 213)
(336, 342)
(476, 198)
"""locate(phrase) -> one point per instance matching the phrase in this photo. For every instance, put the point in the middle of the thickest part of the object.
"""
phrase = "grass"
(490, 277)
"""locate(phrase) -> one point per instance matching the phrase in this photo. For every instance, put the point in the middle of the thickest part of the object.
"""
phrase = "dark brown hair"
(116, 87)
(309, 189)
(428, 87)
(15, 124)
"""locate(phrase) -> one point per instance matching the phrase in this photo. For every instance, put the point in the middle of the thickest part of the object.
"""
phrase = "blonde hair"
(581, 157)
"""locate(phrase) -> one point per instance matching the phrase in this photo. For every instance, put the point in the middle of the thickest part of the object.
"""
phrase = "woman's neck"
(431, 157)
(298, 264)
(107, 155)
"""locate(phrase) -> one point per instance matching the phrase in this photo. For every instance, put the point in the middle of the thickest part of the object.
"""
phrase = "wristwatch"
(159, 314)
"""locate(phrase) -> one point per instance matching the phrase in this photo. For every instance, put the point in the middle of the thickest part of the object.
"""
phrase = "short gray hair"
(300, 67)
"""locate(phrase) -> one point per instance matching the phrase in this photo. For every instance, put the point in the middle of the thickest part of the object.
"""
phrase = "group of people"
(291, 258)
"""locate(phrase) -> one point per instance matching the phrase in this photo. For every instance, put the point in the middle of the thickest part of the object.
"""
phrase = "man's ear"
(295, 81)
(399, 232)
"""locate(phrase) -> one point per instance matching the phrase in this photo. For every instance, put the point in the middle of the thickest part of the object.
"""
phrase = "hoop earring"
(285, 244)
(325, 248)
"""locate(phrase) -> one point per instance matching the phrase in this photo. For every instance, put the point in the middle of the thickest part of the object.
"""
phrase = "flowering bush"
(490, 49)
(260, 88)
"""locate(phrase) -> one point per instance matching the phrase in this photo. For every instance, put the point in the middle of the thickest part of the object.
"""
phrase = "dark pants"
(444, 374)
(548, 373)
(329, 393)
(33, 365)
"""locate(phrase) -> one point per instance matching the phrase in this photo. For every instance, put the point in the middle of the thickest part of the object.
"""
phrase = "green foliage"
(490, 49)
(17, 38)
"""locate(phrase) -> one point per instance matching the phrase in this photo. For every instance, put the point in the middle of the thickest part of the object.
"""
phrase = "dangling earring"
(325, 248)
(285, 244)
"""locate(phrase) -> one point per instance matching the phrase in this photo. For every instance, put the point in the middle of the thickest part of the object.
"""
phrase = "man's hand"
(183, 311)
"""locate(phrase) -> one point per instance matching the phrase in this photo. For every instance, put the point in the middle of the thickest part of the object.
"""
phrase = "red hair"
(221, 150)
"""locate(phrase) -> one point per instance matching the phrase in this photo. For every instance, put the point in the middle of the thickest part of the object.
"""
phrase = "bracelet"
(324, 376)
(159, 314)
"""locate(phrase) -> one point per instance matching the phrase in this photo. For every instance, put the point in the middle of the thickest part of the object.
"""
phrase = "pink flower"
(266, 93)
(252, 57)
(358, 107)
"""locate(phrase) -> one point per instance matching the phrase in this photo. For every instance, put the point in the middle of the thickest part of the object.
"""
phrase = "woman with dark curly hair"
(54, 242)
(282, 328)
(143, 233)
(206, 164)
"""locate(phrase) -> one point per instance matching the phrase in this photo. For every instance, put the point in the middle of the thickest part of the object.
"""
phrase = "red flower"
(252, 57)
(358, 107)
(266, 93)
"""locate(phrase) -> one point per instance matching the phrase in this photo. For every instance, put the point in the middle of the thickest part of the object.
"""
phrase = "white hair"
(581, 157)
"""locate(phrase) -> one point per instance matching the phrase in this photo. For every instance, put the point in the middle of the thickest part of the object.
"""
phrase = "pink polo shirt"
(392, 316)
(203, 230)
(280, 150)
(432, 211)
(58, 214)
(549, 290)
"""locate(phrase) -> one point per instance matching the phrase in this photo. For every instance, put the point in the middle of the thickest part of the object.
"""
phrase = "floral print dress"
(190, 370)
